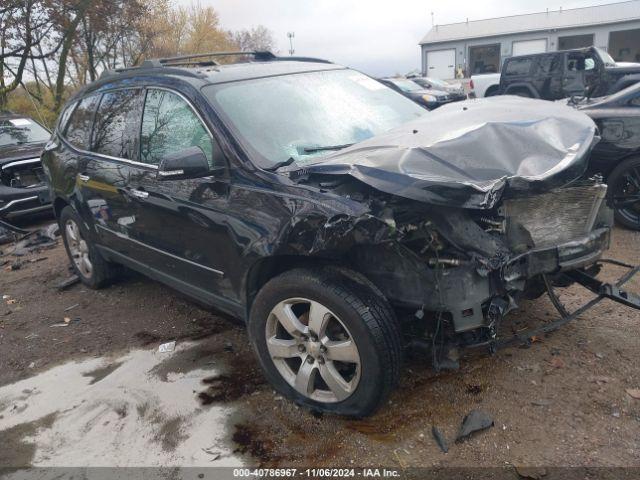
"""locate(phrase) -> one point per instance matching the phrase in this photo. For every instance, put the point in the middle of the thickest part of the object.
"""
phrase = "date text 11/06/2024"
(316, 472)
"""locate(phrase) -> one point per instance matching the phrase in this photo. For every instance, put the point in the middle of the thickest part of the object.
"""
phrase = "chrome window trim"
(138, 242)
(145, 89)
(18, 200)
(20, 162)
(107, 157)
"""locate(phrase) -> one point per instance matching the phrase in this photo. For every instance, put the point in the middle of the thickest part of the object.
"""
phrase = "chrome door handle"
(139, 193)
(84, 178)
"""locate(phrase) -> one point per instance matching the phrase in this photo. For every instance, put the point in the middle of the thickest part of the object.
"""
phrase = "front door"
(182, 223)
(581, 74)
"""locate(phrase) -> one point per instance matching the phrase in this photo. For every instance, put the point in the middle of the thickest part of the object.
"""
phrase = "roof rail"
(191, 59)
(301, 59)
(206, 60)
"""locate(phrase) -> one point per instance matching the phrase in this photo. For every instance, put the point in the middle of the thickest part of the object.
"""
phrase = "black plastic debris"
(40, 239)
(68, 282)
(6, 235)
(439, 438)
(475, 421)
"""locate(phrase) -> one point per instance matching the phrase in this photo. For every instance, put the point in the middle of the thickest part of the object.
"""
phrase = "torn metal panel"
(468, 153)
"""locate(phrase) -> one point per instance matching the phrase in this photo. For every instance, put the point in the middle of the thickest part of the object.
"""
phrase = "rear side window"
(117, 121)
(78, 129)
(520, 66)
(170, 125)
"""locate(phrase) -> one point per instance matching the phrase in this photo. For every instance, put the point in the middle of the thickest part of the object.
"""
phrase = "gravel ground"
(561, 402)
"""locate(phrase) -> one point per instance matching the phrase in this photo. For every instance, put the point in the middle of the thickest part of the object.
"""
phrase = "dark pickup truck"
(555, 75)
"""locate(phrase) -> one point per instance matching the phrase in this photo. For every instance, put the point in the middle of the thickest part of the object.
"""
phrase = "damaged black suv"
(333, 215)
(23, 188)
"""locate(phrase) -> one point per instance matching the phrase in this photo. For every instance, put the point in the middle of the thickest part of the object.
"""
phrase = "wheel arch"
(492, 91)
(516, 87)
(59, 204)
(266, 268)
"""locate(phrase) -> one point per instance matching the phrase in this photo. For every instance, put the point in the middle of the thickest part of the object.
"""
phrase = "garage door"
(527, 47)
(441, 64)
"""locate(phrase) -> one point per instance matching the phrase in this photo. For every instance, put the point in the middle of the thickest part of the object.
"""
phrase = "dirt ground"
(561, 402)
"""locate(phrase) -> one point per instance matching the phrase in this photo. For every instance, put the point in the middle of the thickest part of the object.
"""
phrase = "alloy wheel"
(313, 350)
(78, 249)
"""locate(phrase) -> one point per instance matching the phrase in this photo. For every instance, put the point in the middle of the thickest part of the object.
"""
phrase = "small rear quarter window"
(520, 66)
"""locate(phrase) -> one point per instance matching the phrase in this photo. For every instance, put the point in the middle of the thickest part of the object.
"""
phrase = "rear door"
(547, 76)
(114, 149)
(182, 224)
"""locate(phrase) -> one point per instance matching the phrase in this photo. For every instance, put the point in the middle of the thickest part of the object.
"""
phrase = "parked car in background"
(554, 75)
(484, 85)
(455, 90)
(427, 97)
(329, 212)
(617, 155)
(23, 188)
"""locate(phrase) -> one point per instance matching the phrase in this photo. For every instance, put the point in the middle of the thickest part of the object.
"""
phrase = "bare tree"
(24, 25)
(258, 38)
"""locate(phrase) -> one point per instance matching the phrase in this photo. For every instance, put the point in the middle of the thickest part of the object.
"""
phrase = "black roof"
(202, 69)
(205, 66)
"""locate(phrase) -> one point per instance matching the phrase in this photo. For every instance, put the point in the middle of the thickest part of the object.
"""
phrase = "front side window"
(21, 131)
(116, 124)
(301, 117)
(78, 129)
(170, 125)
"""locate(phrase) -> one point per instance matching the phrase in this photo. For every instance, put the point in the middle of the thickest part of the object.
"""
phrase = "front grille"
(556, 217)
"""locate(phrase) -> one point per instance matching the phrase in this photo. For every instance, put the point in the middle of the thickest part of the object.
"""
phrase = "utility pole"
(291, 36)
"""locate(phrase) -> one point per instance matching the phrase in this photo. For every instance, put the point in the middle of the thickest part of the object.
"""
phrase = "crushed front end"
(470, 267)
(23, 188)
(485, 204)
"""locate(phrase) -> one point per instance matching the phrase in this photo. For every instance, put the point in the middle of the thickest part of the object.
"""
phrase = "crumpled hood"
(467, 154)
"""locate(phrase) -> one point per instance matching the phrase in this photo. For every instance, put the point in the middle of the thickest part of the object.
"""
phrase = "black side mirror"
(188, 163)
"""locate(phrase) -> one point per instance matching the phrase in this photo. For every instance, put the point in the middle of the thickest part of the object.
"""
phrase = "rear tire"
(521, 92)
(492, 91)
(87, 262)
(624, 192)
(350, 365)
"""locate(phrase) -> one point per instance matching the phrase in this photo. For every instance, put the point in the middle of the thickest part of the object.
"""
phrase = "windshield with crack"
(297, 118)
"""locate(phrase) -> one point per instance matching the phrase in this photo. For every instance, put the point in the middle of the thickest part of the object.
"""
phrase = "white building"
(481, 46)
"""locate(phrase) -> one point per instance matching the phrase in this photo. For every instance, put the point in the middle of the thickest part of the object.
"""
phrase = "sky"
(378, 37)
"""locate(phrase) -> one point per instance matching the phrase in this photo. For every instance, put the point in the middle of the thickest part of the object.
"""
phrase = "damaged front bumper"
(17, 202)
(479, 290)
(571, 255)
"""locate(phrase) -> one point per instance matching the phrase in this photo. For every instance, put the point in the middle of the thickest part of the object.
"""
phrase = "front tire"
(624, 191)
(92, 269)
(327, 339)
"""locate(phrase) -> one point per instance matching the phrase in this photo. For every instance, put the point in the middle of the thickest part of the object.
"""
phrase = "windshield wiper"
(278, 165)
(325, 148)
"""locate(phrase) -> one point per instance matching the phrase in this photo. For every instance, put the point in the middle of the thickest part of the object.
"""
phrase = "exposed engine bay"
(22, 174)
